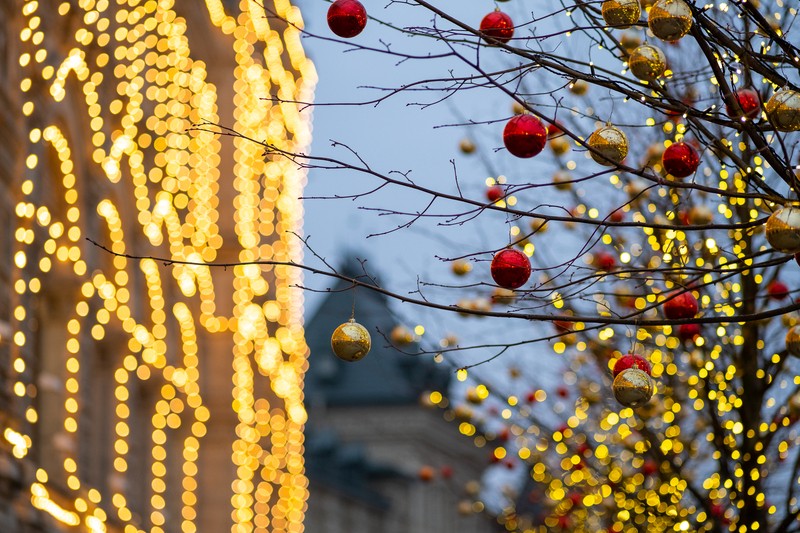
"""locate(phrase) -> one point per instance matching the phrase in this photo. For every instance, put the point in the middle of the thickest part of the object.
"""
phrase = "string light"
(140, 89)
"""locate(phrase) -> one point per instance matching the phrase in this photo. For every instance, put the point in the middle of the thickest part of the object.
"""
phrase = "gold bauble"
(559, 145)
(669, 20)
(629, 41)
(538, 225)
(783, 230)
(783, 110)
(503, 296)
(562, 180)
(351, 341)
(579, 87)
(621, 13)
(633, 387)
(466, 146)
(647, 62)
(793, 341)
(401, 336)
(700, 215)
(610, 144)
(461, 267)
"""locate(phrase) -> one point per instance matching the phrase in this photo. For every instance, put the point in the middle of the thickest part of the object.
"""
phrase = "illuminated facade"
(139, 396)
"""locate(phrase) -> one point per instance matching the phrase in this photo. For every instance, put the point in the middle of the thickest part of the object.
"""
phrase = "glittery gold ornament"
(610, 144)
(633, 387)
(647, 62)
(670, 20)
(351, 341)
(621, 13)
(783, 110)
(793, 341)
(783, 230)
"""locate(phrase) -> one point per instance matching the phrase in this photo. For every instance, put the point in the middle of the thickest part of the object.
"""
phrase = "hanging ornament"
(793, 341)
(609, 146)
(669, 20)
(401, 336)
(579, 87)
(629, 41)
(347, 18)
(680, 305)
(497, 26)
(783, 230)
(750, 102)
(631, 360)
(688, 332)
(501, 296)
(510, 268)
(466, 146)
(783, 110)
(562, 180)
(680, 160)
(777, 290)
(351, 341)
(701, 215)
(633, 387)
(494, 193)
(461, 267)
(604, 261)
(621, 13)
(647, 62)
(524, 136)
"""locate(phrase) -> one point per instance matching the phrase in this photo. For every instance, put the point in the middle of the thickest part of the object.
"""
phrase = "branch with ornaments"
(621, 227)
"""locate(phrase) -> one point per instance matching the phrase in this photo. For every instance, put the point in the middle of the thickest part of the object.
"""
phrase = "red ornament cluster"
(510, 268)
(497, 26)
(680, 305)
(748, 100)
(347, 18)
(524, 136)
(631, 360)
(680, 160)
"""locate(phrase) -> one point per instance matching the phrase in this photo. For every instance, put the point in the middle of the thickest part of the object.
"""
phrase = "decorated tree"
(639, 221)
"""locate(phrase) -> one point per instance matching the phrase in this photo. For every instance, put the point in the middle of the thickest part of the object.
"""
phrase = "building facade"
(378, 458)
(141, 390)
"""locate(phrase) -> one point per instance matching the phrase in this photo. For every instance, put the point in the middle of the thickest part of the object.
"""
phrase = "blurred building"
(137, 395)
(370, 441)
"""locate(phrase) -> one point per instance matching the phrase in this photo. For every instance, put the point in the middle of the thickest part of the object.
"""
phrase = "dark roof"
(385, 376)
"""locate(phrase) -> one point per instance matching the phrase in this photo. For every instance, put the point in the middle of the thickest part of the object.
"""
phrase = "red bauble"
(498, 26)
(631, 361)
(749, 101)
(617, 216)
(446, 471)
(531, 397)
(510, 268)
(347, 18)
(426, 473)
(562, 392)
(688, 332)
(680, 160)
(494, 193)
(524, 136)
(777, 290)
(649, 467)
(680, 305)
(604, 261)
(554, 130)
